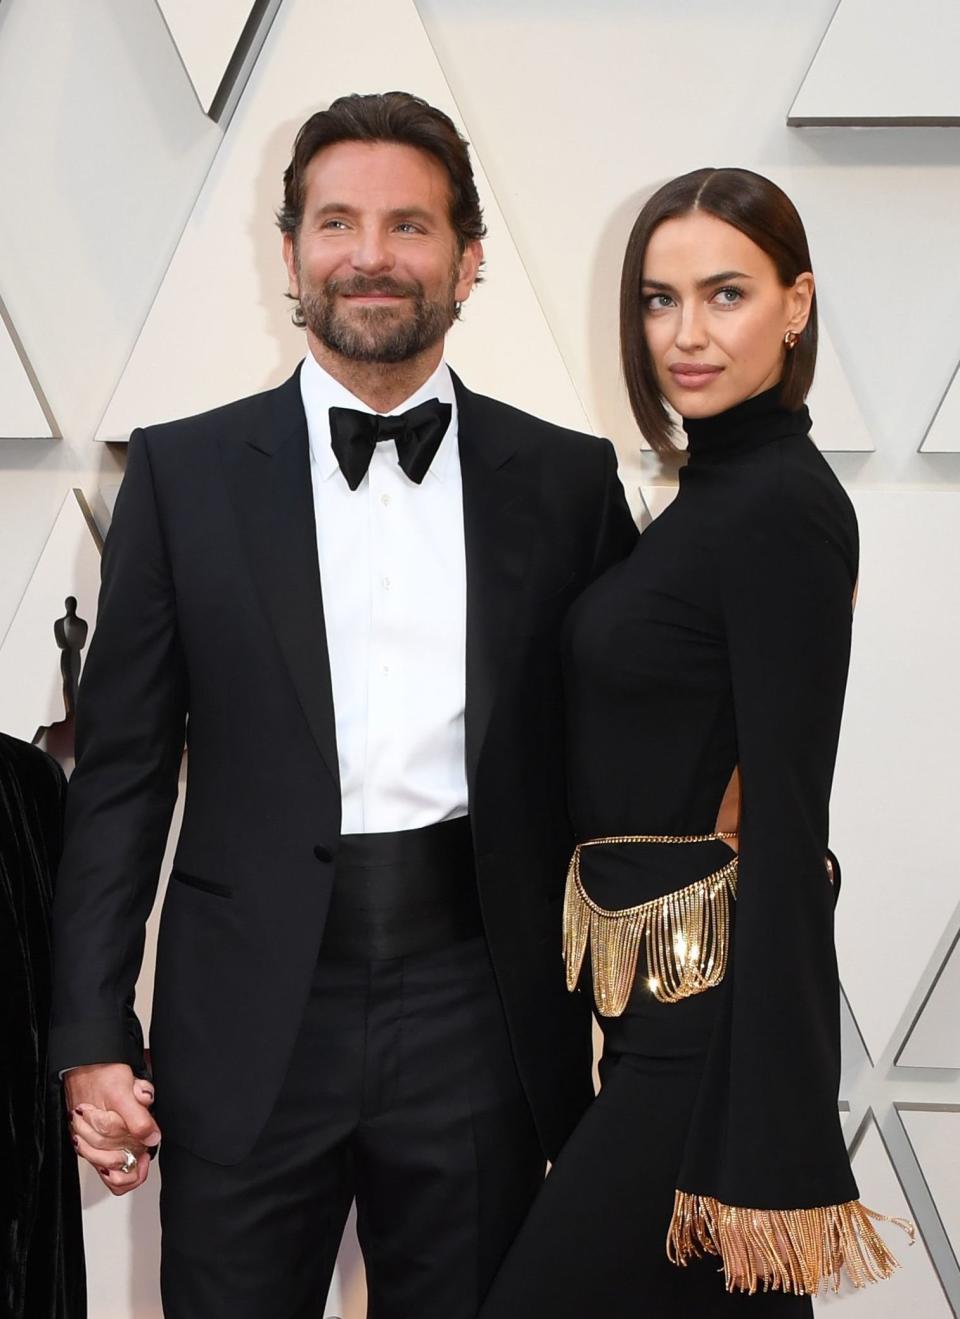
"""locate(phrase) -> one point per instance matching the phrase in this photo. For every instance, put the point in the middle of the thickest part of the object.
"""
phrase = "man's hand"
(109, 1114)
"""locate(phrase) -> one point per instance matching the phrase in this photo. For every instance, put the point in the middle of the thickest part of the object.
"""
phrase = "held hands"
(109, 1116)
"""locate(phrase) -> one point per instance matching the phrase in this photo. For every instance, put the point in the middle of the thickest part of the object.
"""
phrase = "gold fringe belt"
(686, 933)
(788, 1250)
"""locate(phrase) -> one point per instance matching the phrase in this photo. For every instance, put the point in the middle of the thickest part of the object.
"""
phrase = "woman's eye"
(658, 301)
(727, 297)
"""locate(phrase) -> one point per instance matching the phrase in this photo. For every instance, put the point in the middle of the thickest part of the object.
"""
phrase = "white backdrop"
(140, 279)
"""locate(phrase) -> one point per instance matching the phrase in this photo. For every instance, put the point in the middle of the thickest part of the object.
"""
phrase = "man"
(348, 591)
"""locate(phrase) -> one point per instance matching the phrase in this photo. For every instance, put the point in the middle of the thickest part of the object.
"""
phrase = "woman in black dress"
(41, 1238)
(704, 683)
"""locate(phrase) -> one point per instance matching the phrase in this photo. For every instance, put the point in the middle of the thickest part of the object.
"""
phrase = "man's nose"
(371, 254)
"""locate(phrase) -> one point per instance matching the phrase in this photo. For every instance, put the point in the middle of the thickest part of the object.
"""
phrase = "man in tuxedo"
(346, 594)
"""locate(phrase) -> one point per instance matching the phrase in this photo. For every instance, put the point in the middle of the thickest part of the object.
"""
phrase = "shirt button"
(322, 853)
(386, 670)
(386, 583)
(385, 500)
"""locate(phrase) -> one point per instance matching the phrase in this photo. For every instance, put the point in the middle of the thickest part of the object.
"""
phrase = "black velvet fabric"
(41, 1243)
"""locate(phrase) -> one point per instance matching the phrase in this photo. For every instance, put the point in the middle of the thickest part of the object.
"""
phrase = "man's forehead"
(379, 177)
(372, 163)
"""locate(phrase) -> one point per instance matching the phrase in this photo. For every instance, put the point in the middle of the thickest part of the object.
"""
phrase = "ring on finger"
(129, 1160)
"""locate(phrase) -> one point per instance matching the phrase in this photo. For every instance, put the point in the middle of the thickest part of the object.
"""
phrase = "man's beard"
(377, 334)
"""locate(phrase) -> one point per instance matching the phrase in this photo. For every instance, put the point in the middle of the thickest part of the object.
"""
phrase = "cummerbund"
(397, 894)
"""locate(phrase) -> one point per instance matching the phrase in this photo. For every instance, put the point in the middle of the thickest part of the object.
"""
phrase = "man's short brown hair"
(386, 117)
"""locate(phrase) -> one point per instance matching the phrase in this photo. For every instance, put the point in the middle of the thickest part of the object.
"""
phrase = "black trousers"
(594, 1242)
(403, 1093)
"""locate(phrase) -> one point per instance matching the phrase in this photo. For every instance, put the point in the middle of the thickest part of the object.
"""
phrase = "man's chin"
(354, 349)
(354, 307)
(370, 328)
(387, 335)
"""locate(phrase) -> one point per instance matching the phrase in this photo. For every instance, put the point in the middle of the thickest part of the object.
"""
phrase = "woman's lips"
(694, 375)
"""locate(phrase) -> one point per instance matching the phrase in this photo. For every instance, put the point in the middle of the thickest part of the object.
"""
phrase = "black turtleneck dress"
(721, 642)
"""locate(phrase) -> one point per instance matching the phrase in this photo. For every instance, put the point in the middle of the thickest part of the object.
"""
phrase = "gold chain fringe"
(686, 933)
(787, 1250)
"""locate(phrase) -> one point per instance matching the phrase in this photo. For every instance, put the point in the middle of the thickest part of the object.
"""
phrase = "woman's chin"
(694, 405)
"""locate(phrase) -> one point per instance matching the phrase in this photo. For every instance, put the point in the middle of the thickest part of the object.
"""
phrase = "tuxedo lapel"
(268, 469)
(499, 527)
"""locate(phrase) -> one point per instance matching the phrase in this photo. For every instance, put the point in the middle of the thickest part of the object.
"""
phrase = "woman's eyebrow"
(707, 282)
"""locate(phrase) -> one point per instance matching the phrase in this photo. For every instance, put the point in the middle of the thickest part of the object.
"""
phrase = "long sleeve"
(766, 1182)
(130, 733)
(787, 616)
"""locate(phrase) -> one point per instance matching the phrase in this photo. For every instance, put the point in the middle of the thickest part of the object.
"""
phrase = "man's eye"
(408, 227)
(334, 224)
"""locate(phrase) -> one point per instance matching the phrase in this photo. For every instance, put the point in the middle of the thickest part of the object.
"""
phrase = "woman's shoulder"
(788, 495)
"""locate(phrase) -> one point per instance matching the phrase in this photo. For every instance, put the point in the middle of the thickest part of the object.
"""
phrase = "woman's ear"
(799, 301)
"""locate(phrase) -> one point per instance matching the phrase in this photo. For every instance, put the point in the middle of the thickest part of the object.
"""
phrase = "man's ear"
(290, 261)
(470, 262)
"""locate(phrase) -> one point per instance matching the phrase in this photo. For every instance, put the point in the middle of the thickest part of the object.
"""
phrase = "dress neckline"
(748, 425)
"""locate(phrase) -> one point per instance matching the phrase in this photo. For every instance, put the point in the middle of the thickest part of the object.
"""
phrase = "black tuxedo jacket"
(211, 626)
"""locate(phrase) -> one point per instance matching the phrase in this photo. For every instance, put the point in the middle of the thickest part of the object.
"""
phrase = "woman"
(705, 678)
(41, 1240)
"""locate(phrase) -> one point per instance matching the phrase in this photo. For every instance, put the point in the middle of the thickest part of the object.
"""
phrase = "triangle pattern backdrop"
(21, 416)
(914, 1288)
(884, 64)
(894, 887)
(944, 433)
(934, 1040)
(935, 1137)
(838, 423)
(226, 280)
(206, 35)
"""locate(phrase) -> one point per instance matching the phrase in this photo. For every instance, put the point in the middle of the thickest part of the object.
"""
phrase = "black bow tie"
(354, 436)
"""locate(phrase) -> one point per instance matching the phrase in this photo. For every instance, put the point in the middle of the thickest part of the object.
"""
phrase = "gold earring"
(790, 338)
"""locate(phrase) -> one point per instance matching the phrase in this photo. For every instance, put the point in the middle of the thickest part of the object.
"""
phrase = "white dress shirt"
(393, 574)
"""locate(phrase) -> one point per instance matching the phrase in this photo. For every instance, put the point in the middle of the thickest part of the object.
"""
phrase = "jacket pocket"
(204, 885)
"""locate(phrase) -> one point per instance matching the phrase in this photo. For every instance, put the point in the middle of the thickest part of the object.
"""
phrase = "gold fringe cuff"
(686, 935)
(788, 1250)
